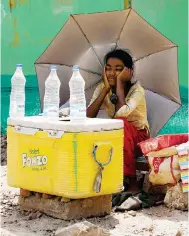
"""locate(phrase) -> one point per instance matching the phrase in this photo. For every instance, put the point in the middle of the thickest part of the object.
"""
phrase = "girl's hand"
(125, 75)
(106, 83)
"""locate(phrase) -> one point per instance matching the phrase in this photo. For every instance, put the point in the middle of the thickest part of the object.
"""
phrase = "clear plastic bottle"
(77, 96)
(17, 96)
(52, 95)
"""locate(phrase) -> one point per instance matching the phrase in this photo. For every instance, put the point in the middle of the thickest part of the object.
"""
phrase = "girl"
(123, 99)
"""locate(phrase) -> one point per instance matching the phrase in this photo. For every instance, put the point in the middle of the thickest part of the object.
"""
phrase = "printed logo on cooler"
(34, 161)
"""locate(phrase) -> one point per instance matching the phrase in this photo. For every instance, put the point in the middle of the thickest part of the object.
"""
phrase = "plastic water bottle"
(17, 96)
(77, 96)
(52, 95)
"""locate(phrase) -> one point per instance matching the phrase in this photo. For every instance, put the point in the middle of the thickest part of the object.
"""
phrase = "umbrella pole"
(127, 4)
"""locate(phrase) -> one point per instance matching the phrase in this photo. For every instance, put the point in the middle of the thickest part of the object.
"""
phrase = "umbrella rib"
(155, 53)
(122, 28)
(88, 71)
(87, 40)
(92, 86)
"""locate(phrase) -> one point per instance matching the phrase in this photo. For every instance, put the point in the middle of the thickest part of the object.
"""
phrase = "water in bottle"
(52, 95)
(77, 96)
(17, 96)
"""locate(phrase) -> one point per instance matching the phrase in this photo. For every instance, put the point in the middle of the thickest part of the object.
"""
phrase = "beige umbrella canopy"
(85, 39)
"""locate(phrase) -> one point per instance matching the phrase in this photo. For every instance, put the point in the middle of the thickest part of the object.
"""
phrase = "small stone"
(46, 196)
(169, 215)
(58, 198)
(15, 201)
(34, 216)
(38, 195)
(4, 214)
(151, 228)
(25, 213)
(5, 201)
(179, 233)
(39, 214)
(175, 198)
(25, 193)
(64, 199)
(84, 228)
(159, 215)
(132, 213)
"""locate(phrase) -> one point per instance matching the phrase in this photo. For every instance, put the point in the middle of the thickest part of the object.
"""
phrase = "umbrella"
(86, 38)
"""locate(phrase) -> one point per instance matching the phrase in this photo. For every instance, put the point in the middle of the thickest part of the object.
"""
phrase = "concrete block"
(74, 209)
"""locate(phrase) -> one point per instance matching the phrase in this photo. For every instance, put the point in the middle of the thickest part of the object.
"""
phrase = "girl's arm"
(123, 107)
(120, 92)
(93, 109)
(98, 98)
(122, 78)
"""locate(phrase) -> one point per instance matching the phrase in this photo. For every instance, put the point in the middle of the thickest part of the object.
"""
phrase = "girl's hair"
(122, 55)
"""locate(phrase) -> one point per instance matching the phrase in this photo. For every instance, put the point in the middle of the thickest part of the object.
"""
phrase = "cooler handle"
(98, 178)
(25, 130)
(95, 147)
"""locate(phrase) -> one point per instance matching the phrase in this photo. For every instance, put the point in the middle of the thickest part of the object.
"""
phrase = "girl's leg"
(132, 137)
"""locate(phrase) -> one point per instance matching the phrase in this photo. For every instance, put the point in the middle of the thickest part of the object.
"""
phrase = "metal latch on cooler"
(33, 131)
(55, 133)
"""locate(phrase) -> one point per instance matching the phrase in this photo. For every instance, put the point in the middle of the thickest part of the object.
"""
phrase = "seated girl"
(123, 99)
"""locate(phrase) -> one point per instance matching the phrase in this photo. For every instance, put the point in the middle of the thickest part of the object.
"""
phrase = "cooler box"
(64, 159)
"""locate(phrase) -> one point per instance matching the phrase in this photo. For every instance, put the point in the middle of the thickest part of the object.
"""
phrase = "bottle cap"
(75, 67)
(53, 67)
(19, 65)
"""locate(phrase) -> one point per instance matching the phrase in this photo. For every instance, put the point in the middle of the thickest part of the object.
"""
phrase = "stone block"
(74, 209)
(175, 198)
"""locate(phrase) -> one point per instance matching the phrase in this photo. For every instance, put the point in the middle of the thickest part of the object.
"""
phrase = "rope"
(99, 163)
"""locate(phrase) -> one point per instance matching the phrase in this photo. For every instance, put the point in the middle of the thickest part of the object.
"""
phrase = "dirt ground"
(154, 221)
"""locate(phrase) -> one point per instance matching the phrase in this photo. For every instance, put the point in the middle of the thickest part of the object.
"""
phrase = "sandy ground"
(154, 221)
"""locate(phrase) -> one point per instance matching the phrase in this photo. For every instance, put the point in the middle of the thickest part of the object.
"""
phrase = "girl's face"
(114, 67)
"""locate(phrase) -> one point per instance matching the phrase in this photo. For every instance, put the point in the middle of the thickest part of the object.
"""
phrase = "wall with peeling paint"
(28, 26)
(170, 17)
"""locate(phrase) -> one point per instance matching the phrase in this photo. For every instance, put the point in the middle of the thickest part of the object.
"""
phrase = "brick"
(75, 209)
(25, 193)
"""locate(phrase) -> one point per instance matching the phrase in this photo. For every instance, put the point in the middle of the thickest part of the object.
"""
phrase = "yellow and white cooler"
(73, 160)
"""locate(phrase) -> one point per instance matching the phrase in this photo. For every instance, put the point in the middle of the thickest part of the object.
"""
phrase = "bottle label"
(50, 110)
(20, 108)
(77, 112)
